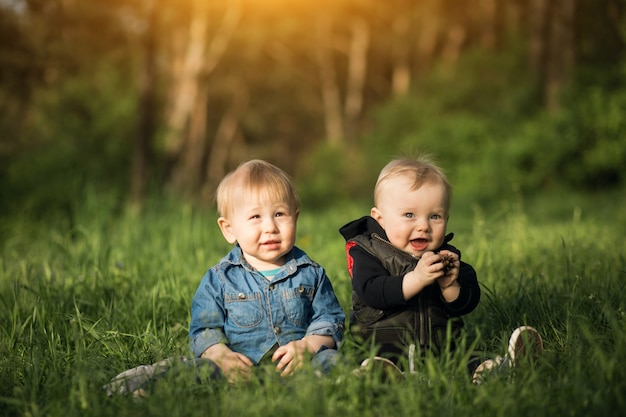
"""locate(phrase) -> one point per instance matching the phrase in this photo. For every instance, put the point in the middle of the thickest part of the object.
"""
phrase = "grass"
(85, 297)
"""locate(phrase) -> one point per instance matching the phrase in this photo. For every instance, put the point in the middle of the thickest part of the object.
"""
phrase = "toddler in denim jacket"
(266, 300)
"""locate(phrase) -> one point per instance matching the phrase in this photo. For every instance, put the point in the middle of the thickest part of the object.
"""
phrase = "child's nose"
(422, 224)
(269, 224)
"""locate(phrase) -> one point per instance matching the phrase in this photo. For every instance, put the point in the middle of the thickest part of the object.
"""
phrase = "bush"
(81, 134)
(491, 140)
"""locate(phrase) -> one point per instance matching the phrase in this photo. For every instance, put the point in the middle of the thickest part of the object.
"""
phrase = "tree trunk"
(331, 97)
(561, 56)
(185, 85)
(489, 23)
(357, 70)
(401, 72)
(187, 123)
(538, 35)
(186, 173)
(428, 34)
(453, 45)
(225, 137)
(147, 114)
(512, 17)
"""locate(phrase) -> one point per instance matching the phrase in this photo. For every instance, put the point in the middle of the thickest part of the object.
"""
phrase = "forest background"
(136, 98)
(119, 117)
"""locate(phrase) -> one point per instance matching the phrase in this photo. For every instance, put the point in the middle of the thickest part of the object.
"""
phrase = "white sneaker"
(487, 367)
(525, 344)
(133, 380)
(388, 369)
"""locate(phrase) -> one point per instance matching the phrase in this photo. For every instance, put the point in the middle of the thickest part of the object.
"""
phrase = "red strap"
(350, 245)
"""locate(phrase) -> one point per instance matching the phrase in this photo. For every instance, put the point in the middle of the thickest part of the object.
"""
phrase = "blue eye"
(408, 215)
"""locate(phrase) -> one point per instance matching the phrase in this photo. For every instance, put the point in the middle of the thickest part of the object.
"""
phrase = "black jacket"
(379, 312)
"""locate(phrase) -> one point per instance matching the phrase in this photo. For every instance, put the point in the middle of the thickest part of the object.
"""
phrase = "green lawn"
(83, 300)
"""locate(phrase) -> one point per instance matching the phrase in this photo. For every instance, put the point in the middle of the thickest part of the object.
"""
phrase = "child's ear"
(375, 213)
(226, 229)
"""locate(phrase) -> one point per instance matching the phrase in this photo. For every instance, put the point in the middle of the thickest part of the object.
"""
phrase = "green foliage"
(583, 146)
(459, 119)
(482, 127)
(84, 300)
(334, 173)
(81, 136)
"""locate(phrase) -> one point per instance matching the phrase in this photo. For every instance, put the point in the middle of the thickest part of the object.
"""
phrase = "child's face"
(266, 231)
(414, 220)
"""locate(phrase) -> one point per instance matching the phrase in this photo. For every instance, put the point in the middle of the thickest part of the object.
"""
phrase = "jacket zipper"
(423, 314)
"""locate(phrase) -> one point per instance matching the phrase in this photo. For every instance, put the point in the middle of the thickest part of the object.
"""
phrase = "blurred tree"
(147, 107)
(562, 54)
(226, 142)
(401, 47)
(356, 73)
(187, 128)
(138, 93)
(552, 46)
(329, 85)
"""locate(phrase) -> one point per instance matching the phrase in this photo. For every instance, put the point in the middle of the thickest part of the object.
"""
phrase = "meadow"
(87, 295)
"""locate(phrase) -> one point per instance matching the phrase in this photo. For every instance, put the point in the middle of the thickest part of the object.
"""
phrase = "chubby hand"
(450, 264)
(431, 268)
(234, 366)
(290, 356)
(449, 267)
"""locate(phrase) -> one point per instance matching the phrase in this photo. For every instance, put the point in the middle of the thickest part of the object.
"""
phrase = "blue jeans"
(325, 360)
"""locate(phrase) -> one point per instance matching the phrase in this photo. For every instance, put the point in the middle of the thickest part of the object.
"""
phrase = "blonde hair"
(420, 170)
(256, 176)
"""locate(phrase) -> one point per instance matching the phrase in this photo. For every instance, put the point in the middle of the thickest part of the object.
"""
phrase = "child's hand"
(450, 268)
(234, 366)
(429, 268)
(426, 272)
(290, 356)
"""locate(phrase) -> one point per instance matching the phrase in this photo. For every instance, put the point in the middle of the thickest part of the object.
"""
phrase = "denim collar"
(293, 259)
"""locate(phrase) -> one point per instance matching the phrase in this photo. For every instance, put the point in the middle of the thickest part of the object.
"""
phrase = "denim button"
(241, 296)
(276, 330)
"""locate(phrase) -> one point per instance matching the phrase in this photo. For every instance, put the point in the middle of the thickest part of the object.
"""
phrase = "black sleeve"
(372, 282)
(470, 292)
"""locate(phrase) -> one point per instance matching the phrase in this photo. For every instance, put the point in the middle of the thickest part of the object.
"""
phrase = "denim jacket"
(234, 304)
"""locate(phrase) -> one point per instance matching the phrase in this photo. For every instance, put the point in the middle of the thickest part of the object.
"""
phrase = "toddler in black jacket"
(409, 285)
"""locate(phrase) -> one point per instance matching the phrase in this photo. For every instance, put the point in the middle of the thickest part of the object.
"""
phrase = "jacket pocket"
(297, 304)
(244, 309)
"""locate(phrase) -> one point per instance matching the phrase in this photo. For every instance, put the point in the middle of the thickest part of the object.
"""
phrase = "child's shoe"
(486, 368)
(135, 380)
(387, 369)
(525, 344)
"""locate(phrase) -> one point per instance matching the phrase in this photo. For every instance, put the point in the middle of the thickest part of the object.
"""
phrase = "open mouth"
(419, 244)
